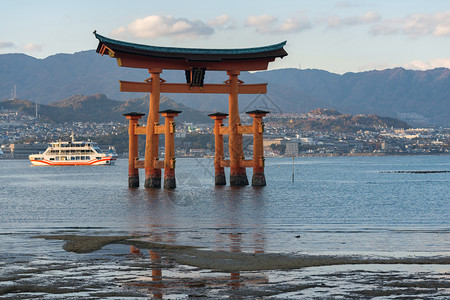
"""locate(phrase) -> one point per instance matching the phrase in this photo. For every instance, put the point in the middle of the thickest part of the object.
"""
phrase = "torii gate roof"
(147, 56)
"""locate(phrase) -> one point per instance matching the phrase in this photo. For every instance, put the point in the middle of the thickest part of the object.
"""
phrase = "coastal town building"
(20, 128)
(292, 148)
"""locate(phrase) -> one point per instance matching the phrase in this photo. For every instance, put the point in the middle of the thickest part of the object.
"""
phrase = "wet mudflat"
(116, 267)
(120, 271)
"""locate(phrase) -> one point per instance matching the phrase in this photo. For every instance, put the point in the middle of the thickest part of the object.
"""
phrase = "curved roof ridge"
(177, 50)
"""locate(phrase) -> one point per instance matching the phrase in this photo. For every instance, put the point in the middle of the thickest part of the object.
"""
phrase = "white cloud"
(31, 47)
(263, 23)
(432, 64)
(269, 24)
(6, 45)
(437, 24)
(367, 18)
(220, 21)
(118, 31)
(292, 25)
(165, 26)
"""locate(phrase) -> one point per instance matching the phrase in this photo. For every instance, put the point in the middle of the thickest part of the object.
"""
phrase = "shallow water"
(336, 206)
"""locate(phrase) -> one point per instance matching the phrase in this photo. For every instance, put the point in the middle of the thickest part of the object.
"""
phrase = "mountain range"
(99, 108)
(420, 98)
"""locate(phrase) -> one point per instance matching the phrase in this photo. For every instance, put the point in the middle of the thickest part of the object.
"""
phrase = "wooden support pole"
(153, 174)
(238, 176)
(219, 170)
(258, 178)
(133, 156)
(169, 142)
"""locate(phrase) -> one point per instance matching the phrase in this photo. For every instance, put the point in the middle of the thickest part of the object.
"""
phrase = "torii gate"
(195, 62)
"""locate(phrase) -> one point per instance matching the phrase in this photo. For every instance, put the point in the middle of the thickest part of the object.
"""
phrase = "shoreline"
(299, 155)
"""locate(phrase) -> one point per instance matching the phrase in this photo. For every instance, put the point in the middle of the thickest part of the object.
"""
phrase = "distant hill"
(332, 120)
(418, 97)
(99, 108)
(325, 112)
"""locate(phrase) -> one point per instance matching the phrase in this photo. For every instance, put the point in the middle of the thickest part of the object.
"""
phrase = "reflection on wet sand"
(229, 237)
(230, 210)
(194, 280)
(156, 274)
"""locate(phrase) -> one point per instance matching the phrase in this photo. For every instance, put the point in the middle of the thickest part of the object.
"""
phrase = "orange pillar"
(238, 176)
(258, 178)
(152, 174)
(133, 172)
(218, 118)
(169, 142)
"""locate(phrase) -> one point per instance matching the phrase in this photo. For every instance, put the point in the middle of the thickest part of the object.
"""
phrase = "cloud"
(263, 23)
(220, 21)
(6, 45)
(269, 24)
(31, 47)
(165, 26)
(437, 24)
(293, 25)
(118, 31)
(432, 64)
(338, 22)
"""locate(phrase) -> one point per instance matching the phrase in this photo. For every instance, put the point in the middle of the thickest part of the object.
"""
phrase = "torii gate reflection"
(194, 62)
(231, 235)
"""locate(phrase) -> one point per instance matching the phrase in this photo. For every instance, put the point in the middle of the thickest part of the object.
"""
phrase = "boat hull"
(106, 161)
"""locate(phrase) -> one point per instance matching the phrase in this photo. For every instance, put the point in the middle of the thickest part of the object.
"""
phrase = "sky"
(335, 35)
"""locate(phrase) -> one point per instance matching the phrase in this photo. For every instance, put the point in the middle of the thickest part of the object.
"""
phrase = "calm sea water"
(335, 205)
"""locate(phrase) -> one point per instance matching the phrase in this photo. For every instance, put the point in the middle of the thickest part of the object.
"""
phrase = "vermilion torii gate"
(195, 62)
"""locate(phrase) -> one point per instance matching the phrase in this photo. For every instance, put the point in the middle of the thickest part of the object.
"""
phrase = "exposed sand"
(231, 261)
(183, 272)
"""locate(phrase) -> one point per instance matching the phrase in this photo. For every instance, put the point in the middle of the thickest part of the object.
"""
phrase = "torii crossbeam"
(194, 62)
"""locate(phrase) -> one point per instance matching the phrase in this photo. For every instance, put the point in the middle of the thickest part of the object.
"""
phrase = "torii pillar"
(258, 179)
(219, 170)
(133, 152)
(169, 145)
(152, 173)
(238, 176)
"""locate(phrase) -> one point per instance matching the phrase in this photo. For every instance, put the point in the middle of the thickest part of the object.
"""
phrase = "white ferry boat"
(72, 153)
